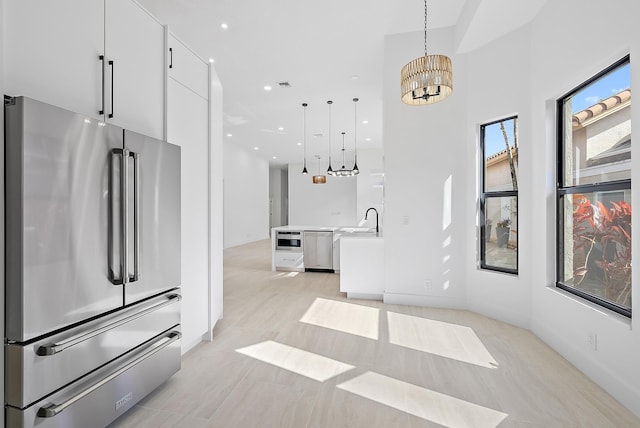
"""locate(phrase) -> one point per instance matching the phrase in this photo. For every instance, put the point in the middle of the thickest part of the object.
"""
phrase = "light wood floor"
(355, 363)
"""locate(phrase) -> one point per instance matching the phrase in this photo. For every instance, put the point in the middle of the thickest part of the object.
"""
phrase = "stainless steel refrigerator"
(92, 266)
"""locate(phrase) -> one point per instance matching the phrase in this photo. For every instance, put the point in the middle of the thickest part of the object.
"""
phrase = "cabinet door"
(187, 68)
(187, 127)
(52, 51)
(135, 43)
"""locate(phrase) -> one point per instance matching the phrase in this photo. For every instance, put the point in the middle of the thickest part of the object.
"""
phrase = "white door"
(52, 51)
(135, 46)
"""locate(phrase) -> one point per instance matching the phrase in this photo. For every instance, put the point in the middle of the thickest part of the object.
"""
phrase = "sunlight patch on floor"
(441, 338)
(421, 402)
(345, 317)
(308, 364)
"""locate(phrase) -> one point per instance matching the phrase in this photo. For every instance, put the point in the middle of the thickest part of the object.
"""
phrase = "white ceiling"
(320, 48)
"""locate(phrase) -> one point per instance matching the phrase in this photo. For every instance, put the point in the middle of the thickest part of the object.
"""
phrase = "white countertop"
(344, 229)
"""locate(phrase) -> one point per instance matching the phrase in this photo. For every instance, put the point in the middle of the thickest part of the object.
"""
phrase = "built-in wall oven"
(289, 240)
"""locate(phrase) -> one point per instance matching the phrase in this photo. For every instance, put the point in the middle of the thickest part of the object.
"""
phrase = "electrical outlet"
(592, 341)
(427, 284)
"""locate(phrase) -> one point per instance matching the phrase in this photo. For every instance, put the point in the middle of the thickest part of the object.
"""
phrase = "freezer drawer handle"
(51, 410)
(55, 348)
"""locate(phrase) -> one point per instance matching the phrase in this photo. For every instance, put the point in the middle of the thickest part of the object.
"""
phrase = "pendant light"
(355, 170)
(319, 179)
(329, 169)
(428, 79)
(304, 138)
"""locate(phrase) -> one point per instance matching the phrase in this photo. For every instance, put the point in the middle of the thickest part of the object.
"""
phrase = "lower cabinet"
(289, 261)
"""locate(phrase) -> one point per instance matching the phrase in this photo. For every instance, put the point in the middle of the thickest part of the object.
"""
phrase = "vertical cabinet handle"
(170, 57)
(112, 73)
(101, 59)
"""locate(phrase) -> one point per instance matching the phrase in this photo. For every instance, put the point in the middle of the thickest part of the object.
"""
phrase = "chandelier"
(428, 79)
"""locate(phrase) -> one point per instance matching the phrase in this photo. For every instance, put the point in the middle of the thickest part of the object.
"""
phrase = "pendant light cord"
(425, 27)
(329, 102)
(355, 126)
(304, 133)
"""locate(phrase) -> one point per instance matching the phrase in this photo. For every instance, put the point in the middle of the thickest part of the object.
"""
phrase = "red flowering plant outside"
(602, 249)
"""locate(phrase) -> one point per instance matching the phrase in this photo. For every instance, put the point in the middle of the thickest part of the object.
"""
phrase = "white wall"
(599, 35)
(522, 73)
(329, 204)
(502, 64)
(369, 190)
(246, 196)
(425, 183)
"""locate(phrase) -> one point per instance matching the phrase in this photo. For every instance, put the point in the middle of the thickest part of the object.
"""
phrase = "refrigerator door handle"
(124, 210)
(136, 217)
(55, 348)
(121, 278)
(51, 410)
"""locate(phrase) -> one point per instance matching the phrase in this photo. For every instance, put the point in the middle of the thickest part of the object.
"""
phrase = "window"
(499, 196)
(594, 189)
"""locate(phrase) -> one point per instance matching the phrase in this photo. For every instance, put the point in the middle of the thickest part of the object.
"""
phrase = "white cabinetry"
(187, 126)
(134, 41)
(289, 260)
(52, 54)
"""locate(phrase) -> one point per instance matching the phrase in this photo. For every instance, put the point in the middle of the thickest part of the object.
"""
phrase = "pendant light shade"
(320, 178)
(428, 79)
(304, 138)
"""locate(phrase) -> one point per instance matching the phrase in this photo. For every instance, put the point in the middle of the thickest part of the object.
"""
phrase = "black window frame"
(562, 190)
(484, 195)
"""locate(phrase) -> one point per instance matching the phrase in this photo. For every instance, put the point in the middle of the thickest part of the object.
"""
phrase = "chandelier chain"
(425, 27)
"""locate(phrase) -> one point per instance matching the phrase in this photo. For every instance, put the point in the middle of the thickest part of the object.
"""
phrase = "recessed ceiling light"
(229, 135)
(224, 26)
(299, 144)
(267, 87)
(273, 157)
(211, 60)
(368, 139)
(280, 128)
(256, 148)
(365, 122)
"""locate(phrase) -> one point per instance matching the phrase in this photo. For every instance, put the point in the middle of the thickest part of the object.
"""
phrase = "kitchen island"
(321, 249)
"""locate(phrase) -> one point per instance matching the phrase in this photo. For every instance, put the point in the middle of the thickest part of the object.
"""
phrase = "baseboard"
(424, 300)
(503, 313)
(364, 296)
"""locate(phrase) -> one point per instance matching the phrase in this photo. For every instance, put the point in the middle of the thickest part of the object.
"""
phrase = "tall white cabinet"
(187, 126)
(53, 52)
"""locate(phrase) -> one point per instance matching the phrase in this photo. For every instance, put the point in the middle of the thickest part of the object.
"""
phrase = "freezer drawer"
(36, 369)
(98, 399)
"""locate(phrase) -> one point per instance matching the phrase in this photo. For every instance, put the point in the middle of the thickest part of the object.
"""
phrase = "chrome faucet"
(367, 213)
